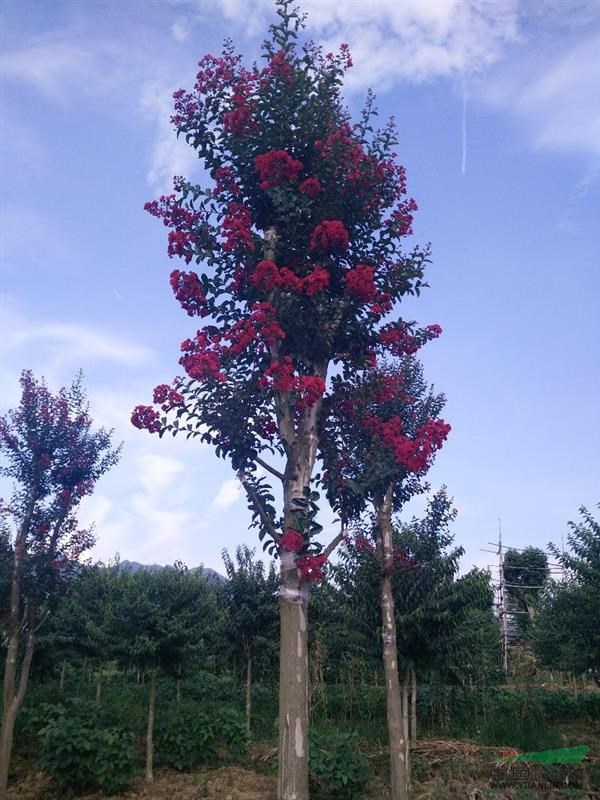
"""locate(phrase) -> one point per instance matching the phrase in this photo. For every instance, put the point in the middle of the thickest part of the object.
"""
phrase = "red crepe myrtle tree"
(380, 434)
(300, 241)
(54, 460)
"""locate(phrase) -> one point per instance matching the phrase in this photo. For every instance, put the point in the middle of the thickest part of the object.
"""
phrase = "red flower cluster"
(276, 168)
(309, 388)
(202, 359)
(225, 181)
(329, 236)
(398, 340)
(402, 219)
(261, 324)
(312, 568)
(363, 545)
(316, 282)
(310, 187)
(188, 290)
(360, 281)
(279, 67)
(236, 227)
(238, 120)
(186, 107)
(266, 276)
(183, 220)
(413, 454)
(167, 397)
(146, 418)
(265, 427)
(280, 376)
(292, 541)
(402, 559)
(389, 388)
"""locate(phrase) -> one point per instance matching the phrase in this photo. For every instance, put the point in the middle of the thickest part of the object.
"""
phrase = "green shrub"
(337, 768)
(80, 756)
(188, 739)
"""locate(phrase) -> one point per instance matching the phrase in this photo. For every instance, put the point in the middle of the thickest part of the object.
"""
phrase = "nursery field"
(202, 750)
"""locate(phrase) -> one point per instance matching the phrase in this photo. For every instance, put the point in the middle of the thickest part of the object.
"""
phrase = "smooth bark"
(63, 672)
(248, 690)
(405, 716)
(396, 731)
(300, 443)
(15, 683)
(16, 690)
(150, 729)
(413, 706)
(292, 781)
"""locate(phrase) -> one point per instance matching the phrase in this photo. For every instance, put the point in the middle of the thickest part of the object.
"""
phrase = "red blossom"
(167, 397)
(202, 358)
(316, 282)
(414, 454)
(292, 541)
(310, 187)
(398, 340)
(279, 375)
(146, 418)
(330, 236)
(360, 282)
(276, 168)
(225, 181)
(312, 568)
(185, 222)
(188, 291)
(363, 545)
(402, 218)
(279, 67)
(236, 228)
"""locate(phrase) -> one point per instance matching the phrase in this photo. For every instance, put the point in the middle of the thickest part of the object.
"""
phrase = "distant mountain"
(211, 575)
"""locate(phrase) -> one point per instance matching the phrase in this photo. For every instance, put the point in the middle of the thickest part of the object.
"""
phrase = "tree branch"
(335, 541)
(269, 468)
(252, 494)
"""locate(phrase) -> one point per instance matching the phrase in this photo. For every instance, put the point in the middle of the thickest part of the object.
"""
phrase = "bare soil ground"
(442, 769)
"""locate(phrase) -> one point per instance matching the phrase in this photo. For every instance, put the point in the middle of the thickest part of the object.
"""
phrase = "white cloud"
(556, 95)
(411, 40)
(537, 62)
(49, 66)
(228, 494)
(157, 473)
(70, 342)
(169, 155)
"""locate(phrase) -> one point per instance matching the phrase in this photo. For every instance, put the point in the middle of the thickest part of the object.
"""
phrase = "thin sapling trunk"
(396, 729)
(150, 728)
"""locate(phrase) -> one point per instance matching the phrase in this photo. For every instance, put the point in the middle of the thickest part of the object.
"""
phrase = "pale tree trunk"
(248, 688)
(292, 781)
(405, 716)
(150, 729)
(178, 688)
(63, 672)
(396, 733)
(15, 683)
(99, 685)
(301, 451)
(413, 707)
(15, 690)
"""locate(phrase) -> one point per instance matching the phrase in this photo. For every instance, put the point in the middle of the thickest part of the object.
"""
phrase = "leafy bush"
(188, 739)
(337, 768)
(79, 755)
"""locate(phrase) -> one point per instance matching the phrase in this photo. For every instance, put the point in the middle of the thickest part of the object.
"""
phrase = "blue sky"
(498, 109)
